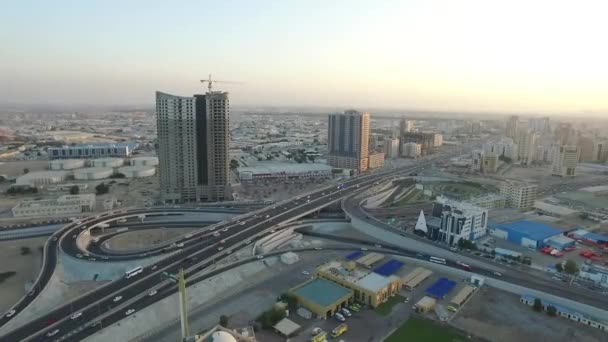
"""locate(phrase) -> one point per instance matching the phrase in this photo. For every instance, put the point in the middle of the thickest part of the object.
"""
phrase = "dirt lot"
(499, 316)
(26, 266)
(145, 238)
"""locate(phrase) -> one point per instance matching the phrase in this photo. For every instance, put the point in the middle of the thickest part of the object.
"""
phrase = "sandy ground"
(499, 316)
(144, 238)
(26, 266)
(15, 168)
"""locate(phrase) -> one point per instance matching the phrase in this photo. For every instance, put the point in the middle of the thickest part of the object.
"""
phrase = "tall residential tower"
(348, 140)
(193, 142)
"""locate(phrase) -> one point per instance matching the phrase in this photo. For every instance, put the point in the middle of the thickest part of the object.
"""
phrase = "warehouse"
(92, 150)
(63, 205)
(462, 296)
(416, 277)
(284, 171)
(525, 233)
(322, 297)
(370, 287)
(589, 237)
(425, 305)
(560, 242)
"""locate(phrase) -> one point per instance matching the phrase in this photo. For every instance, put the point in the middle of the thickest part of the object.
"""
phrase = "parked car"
(316, 331)
(346, 313)
(339, 317)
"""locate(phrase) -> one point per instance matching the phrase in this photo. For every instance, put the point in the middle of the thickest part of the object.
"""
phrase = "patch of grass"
(423, 330)
(385, 308)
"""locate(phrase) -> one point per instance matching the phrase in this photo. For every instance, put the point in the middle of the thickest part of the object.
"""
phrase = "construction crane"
(210, 82)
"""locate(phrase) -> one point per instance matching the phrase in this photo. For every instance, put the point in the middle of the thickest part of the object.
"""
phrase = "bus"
(132, 273)
(437, 260)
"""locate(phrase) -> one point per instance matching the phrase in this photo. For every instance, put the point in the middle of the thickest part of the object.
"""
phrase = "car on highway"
(105, 258)
(223, 241)
(216, 234)
(154, 267)
(117, 299)
(31, 293)
(52, 333)
(228, 251)
(260, 257)
(54, 238)
(225, 229)
(363, 248)
(378, 246)
(74, 236)
(267, 216)
(130, 311)
(180, 245)
(220, 248)
(318, 248)
(11, 313)
(79, 255)
(242, 223)
(247, 242)
(92, 259)
(498, 274)
(76, 315)
(152, 293)
(305, 273)
(272, 231)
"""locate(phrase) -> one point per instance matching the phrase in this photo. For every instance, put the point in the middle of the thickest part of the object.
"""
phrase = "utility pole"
(183, 299)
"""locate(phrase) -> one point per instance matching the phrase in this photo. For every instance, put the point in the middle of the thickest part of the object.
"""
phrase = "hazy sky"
(533, 55)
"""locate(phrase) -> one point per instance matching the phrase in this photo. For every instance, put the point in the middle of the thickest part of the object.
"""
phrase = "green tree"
(224, 321)
(74, 190)
(25, 251)
(311, 158)
(551, 311)
(559, 267)
(234, 164)
(118, 175)
(583, 216)
(570, 267)
(290, 299)
(26, 171)
(102, 188)
(538, 305)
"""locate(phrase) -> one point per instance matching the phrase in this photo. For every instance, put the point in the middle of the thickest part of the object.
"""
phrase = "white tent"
(421, 223)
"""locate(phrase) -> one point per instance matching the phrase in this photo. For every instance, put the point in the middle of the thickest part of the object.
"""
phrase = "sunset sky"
(536, 55)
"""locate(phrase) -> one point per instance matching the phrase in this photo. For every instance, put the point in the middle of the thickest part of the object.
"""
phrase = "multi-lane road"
(200, 250)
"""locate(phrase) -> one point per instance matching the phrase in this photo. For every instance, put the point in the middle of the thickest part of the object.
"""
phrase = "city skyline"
(470, 56)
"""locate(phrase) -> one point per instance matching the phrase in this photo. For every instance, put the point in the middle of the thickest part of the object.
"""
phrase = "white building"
(66, 164)
(565, 160)
(391, 148)
(93, 173)
(457, 220)
(92, 150)
(63, 205)
(519, 195)
(42, 178)
(437, 140)
(595, 273)
(525, 141)
(107, 162)
(137, 171)
(412, 150)
(284, 171)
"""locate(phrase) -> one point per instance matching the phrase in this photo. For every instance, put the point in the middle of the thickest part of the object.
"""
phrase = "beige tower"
(348, 140)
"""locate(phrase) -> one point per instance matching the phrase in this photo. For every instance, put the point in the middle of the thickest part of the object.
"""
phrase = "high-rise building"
(585, 146)
(376, 160)
(405, 126)
(519, 195)
(193, 139)
(391, 148)
(411, 150)
(600, 151)
(512, 126)
(565, 134)
(565, 160)
(348, 140)
(427, 141)
(525, 141)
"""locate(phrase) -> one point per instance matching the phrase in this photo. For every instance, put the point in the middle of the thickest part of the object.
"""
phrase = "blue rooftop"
(322, 292)
(441, 287)
(596, 237)
(532, 230)
(354, 255)
(388, 268)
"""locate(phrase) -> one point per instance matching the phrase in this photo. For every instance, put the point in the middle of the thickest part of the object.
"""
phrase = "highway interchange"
(199, 251)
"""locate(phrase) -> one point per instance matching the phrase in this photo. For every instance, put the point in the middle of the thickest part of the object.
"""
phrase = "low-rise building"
(391, 148)
(525, 233)
(63, 205)
(411, 150)
(92, 150)
(370, 287)
(322, 297)
(491, 201)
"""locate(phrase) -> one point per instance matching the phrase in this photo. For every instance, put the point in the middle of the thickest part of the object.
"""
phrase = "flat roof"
(462, 295)
(561, 239)
(370, 259)
(375, 282)
(389, 267)
(286, 327)
(530, 229)
(441, 287)
(354, 255)
(285, 167)
(591, 236)
(322, 292)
